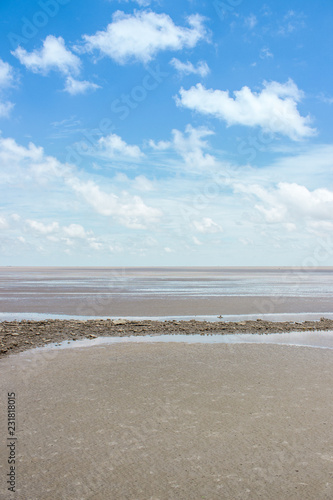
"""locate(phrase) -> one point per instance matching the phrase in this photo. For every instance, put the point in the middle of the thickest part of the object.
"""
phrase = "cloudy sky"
(150, 132)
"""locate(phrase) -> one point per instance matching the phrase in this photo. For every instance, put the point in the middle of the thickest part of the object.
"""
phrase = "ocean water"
(161, 293)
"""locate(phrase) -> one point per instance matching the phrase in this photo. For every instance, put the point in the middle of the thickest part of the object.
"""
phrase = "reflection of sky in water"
(169, 283)
(304, 339)
(16, 316)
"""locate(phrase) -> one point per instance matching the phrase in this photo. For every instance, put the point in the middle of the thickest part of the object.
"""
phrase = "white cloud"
(113, 145)
(206, 225)
(292, 21)
(290, 202)
(160, 145)
(189, 145)
(274, 109)
(188, 68)
(95, 244)
(141, 183)
(265, 53)
(251, 21)
(52, 56)
(6, 74)
(13, 153)
(6, 80)
(142, 35)
(3, 222)
(130, 210)
(325, 98)
(142, 3)
(42, 228)
(75, 87)
(75, 231)
(5, 108)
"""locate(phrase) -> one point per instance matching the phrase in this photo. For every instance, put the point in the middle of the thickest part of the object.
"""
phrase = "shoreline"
(19, 336)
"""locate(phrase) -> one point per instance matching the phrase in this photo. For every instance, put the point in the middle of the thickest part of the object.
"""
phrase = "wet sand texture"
(172, 422)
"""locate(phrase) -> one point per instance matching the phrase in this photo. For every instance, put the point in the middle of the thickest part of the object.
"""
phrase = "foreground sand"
(171, 421)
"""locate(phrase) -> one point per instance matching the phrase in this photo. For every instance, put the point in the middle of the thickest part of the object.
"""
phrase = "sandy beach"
(171, 421)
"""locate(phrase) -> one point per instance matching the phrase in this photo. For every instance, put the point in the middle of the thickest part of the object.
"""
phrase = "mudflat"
(181, 291)
(171, 421)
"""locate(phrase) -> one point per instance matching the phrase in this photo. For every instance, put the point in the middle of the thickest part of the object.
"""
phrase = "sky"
(155, 133)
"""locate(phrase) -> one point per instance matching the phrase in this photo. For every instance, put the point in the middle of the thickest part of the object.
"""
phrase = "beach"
(143, 391)
(172, 421)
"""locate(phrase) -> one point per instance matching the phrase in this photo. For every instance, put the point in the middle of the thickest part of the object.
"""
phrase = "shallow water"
(211, 318)
(173, 293)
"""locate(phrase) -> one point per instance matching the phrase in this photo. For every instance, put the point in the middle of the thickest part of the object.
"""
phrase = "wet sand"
(103, 305)
(167, 421)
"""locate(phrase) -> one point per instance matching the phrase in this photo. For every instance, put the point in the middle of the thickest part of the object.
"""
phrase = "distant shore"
(18, 336)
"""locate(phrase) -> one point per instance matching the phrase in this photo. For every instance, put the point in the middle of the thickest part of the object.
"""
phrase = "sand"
(171, 421)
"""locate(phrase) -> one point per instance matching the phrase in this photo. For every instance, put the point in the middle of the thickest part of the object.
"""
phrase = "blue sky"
(166, 133)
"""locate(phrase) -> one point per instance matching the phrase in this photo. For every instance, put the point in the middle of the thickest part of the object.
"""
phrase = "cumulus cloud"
(189, 145)
(75, 231)
(52, 56)
(6, 75)
(140, 36)
(42, 228)
(6, 80)
(75, 87)
(188, 68)
(12, 153)
(3, 222)
(206, 225)
(290, 202)
(274, 109)
(71, 235)
(131, 211)
(113, 145)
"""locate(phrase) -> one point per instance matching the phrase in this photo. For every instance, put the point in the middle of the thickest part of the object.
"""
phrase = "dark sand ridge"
(16, 336)
(171, 422)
